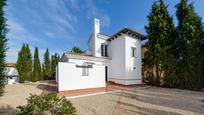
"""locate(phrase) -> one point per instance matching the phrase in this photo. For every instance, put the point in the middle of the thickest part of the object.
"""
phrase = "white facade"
(12, 75)
(119, 56)
(71, 77)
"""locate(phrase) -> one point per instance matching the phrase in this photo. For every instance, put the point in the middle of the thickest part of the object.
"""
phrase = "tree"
(189, 34)
(3, 46)
(28, 62)
(76, 49)
(47, 65)
(24, 63)
(36, 67)
(166, 46)
(202, 55)
(20, 64)
(160, 32)
(54, 61)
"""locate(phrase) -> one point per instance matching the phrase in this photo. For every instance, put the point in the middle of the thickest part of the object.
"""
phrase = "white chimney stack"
(96, 43)
(96, 26)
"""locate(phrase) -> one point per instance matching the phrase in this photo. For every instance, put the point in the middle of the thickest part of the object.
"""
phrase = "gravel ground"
(16, 95)
(145, 100)
(142, 100)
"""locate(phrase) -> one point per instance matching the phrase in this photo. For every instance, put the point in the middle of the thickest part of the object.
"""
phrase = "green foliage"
(36, 67)
(47, 66)
(30, 72)
(54, 61)
(202, 55)
(24, 63)
(47, 103)
(189, 34)
(161, 35)
(174, 57)
(76, 49)
(3, 45)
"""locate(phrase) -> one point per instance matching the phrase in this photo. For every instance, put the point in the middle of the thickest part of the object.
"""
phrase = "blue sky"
(61, 24)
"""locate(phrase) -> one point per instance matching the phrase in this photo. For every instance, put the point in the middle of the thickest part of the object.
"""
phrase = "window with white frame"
(133, 52)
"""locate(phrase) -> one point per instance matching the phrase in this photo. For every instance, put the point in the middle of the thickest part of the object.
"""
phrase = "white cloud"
(49, 34)
(94, 12)
(40, 20)
(19, 33)
(59, 13)
(37, 22)
(74, 4)
(11, 55)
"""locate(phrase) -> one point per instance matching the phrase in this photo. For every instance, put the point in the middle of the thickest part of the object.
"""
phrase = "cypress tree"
(24, 63)
(166, 46)
(151, 54)
(160, 34)
(3, 46)
(202, 56)
(36, 67)
(47, 65)
(54, 62)
(189, 34)
(20, 64)
(28, 63)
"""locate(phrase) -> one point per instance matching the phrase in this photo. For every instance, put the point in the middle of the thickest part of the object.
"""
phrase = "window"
(133, 52)
(104, 50)
(85, 70)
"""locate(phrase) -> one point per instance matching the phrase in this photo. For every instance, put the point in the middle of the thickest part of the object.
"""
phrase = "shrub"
(46, 104)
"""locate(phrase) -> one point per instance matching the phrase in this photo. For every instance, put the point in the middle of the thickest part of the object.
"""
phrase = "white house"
(11, 73)
(115, 58)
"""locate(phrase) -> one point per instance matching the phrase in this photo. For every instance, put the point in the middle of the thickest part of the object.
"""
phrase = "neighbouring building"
(11, 72)
(115, 58)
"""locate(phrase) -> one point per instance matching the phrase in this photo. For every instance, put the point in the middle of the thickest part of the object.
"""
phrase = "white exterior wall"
(117, 64)
(133, 76)
(70, 77)
(12, 80)
(98, 43)
(96, 30)
(80, 61)
(96, 39)
(12, 75)
(121, 67)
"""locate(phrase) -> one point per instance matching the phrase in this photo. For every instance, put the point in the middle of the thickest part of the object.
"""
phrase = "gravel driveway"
(142, 100)
(16, 95)
(146, 100)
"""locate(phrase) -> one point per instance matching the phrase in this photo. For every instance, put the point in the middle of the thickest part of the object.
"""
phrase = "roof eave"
(128, 32)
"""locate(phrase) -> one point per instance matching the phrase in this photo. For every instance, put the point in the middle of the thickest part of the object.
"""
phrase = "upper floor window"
(104, 50)
(133, 52)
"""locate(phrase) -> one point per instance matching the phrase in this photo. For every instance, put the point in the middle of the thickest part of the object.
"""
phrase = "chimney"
(96, 26)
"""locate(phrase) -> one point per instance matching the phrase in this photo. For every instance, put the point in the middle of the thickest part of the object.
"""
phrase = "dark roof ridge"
(130, 32)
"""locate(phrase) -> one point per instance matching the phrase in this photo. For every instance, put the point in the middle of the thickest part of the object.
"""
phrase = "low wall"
(71, 76)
